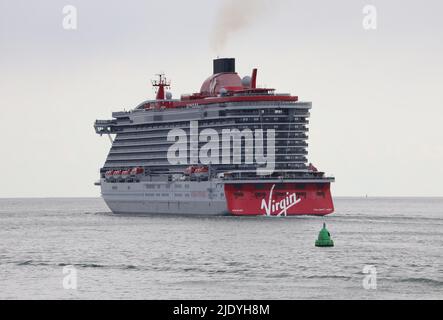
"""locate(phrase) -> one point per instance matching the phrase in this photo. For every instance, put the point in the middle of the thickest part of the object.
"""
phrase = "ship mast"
(161, 84)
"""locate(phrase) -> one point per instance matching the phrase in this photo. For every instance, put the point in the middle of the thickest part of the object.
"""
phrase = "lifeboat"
(190, 170)
(125, 174)
(201, 172)
(108, 174)
(117, 174)
(136, 171)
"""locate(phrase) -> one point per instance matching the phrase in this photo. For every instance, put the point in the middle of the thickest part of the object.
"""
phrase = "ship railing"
(282, 178)
(105, 122)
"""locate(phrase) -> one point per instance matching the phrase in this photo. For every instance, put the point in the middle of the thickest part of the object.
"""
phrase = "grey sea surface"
(181, 257)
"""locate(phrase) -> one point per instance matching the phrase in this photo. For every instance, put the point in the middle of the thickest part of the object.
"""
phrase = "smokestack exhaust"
(224, 65)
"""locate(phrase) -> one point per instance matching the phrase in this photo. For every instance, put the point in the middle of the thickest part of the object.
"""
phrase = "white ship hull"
(189, 197)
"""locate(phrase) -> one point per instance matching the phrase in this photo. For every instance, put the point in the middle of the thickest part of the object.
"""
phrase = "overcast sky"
(376, 122)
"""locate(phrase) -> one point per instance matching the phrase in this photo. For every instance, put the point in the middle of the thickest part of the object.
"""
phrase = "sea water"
(385, 248)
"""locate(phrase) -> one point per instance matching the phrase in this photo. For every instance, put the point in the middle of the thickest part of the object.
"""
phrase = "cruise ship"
(233, 148)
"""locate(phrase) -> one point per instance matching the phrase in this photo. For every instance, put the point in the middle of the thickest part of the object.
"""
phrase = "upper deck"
(224, 102)
(223, 89)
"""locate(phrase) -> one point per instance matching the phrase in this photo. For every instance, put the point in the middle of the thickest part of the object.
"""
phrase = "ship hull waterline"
(206, 198)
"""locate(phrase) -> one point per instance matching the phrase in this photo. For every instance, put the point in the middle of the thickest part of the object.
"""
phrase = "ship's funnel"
(224, 65)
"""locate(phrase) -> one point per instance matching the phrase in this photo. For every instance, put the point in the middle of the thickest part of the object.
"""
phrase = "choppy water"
(157, 257)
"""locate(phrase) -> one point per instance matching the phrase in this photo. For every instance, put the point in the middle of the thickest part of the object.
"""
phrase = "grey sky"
(377, 101)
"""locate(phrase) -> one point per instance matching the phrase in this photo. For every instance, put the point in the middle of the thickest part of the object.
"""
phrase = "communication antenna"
(161, 84)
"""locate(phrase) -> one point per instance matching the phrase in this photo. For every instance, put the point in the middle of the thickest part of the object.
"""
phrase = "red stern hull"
(279, 199)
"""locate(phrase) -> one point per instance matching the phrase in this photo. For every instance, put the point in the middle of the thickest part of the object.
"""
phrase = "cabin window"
(301, 195)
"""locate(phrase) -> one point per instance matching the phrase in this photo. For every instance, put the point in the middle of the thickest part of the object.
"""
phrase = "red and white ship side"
(279, 198)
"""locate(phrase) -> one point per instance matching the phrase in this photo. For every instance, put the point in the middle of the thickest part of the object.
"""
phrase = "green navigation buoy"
(324, 238)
